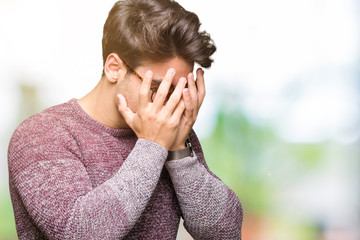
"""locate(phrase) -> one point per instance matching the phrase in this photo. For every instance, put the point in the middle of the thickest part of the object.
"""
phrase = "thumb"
(125, 111)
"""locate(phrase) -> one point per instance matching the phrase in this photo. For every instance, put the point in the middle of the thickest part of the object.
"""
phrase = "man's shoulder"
(40, 137)
(49, 121)
(48, 118)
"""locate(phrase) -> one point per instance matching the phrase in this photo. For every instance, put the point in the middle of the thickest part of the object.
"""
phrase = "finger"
(178, 112)
(175, 96)
(193, 91)
(164, 89)
(125, 111)
(189, 104)
(200, 86)
(192, 86)
(145, 89)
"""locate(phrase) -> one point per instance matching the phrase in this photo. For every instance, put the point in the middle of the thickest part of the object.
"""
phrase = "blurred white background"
(293, 65)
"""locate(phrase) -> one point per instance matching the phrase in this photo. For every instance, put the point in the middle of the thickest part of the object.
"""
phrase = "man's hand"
(156, 121)
(193, 97)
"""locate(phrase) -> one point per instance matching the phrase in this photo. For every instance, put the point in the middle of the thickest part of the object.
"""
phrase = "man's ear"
(114, 68)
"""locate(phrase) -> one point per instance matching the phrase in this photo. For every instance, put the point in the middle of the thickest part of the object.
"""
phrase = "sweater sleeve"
(210, 209)
(58, 195)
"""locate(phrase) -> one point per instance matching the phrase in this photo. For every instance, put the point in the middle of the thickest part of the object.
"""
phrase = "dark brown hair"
(141, 31)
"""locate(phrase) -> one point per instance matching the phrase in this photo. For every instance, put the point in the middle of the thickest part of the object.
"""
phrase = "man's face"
(130, 85)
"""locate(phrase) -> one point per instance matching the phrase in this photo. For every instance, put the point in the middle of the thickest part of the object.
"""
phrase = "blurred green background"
(279, 125)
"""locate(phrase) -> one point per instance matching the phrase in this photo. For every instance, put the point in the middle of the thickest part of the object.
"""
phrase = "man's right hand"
(156, 121)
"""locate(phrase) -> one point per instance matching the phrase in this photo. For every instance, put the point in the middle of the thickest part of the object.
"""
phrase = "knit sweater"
(73, 178)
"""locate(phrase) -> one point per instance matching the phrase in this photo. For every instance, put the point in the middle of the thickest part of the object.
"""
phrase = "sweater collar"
(123, 132)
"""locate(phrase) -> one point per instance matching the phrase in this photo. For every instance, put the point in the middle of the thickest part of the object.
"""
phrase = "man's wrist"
(180, 153)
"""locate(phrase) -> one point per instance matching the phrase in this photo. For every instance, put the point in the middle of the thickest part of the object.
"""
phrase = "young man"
(122, 162)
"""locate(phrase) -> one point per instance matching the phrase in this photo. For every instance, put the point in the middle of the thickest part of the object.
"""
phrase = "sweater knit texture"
(71, 177)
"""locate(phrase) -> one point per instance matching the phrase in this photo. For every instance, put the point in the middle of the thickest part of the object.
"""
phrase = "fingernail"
(186, 91)
(191, 75)
(172, 71)
(183, 80)
(148, 74)
(119, 97)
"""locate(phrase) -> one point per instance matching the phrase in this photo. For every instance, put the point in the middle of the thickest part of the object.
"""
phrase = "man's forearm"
(130, 189)
(210, 209)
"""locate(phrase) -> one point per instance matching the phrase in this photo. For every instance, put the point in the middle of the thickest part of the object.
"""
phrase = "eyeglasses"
(154, 86)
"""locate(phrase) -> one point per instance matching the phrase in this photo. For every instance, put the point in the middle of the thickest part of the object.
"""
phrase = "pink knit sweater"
(74, 178)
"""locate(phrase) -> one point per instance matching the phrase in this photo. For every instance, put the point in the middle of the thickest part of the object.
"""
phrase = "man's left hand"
(193, 97)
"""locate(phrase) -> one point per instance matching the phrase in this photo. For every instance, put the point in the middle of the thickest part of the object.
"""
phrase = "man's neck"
(101, 104)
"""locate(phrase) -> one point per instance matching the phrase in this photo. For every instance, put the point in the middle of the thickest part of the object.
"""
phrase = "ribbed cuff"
(184, 171)
(152, 148)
